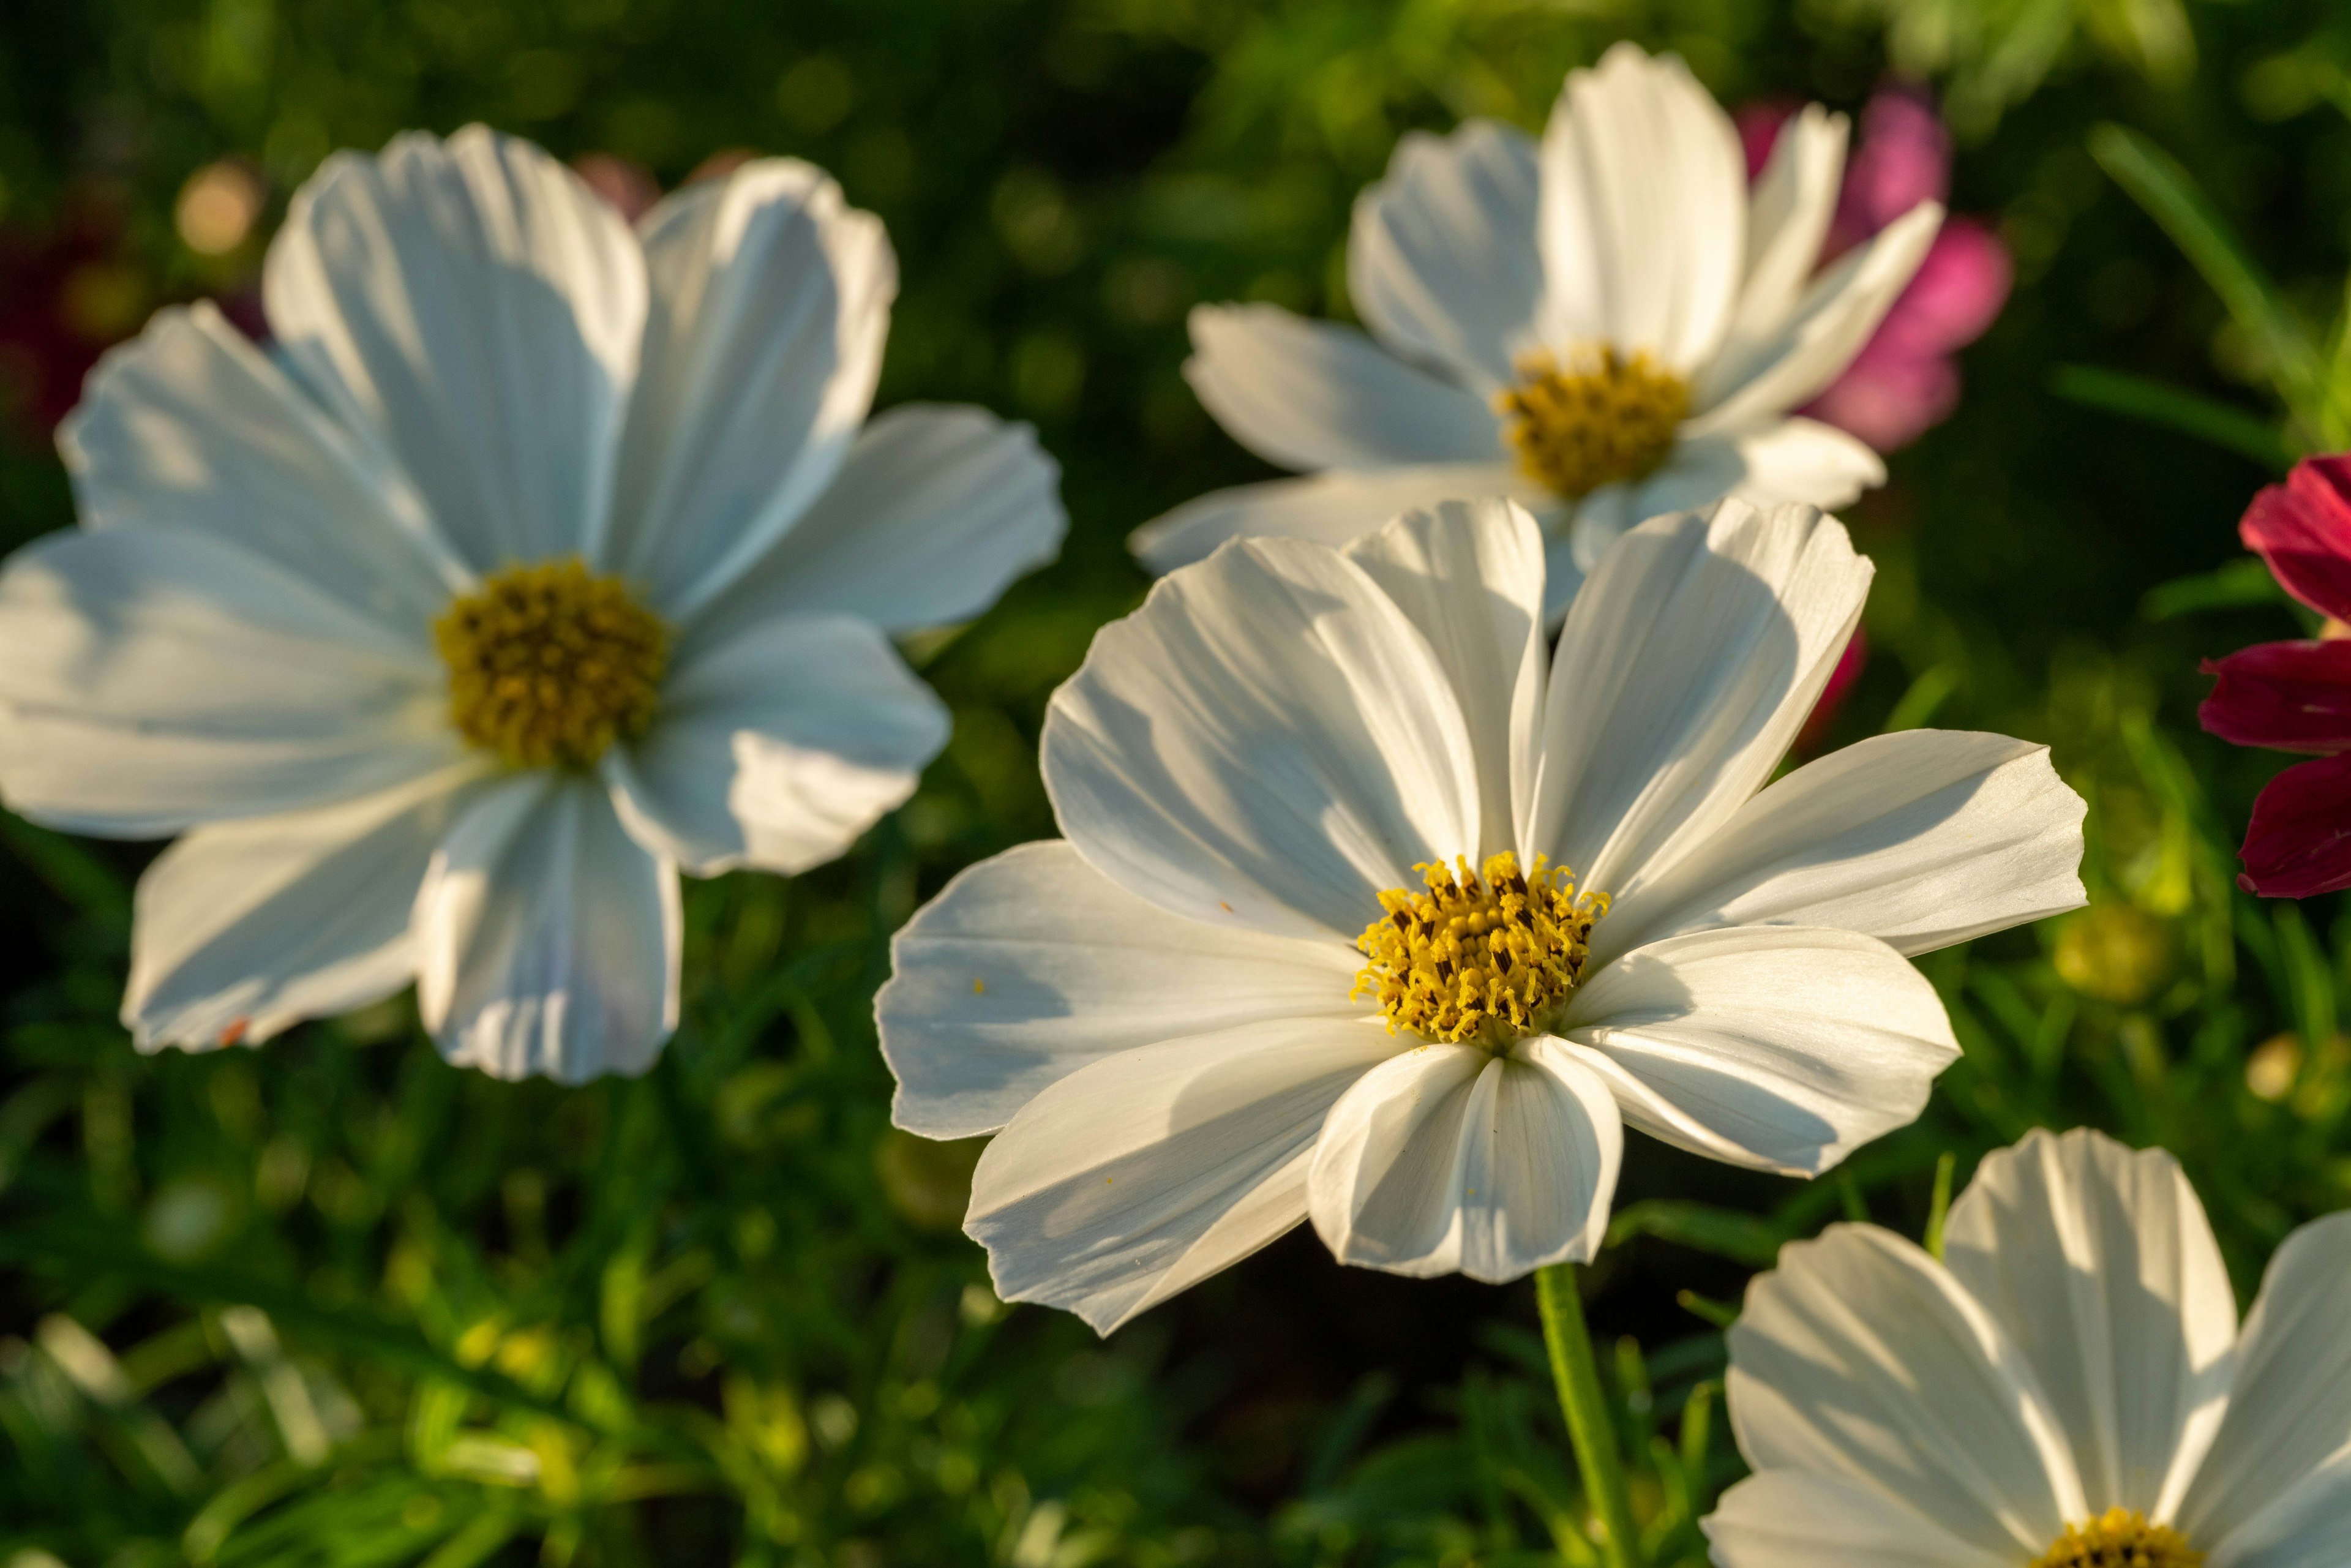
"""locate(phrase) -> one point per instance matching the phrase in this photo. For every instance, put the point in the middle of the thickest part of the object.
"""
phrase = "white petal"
(1449, 1159)
(157, 678)
(244, 929)
(1266, 743)
(1829, 326)
(1469, 574)
(1442, 260)
(1130, 1179)
(1643, 222)
(1919, 839)
(1308, 394)
(190, 426)
(547, 940)
(1788, 1519)
(1858, 1358)
(770, 302)
(934, 512)
(1800, 460)
(1329, 508)
(2289, 1420)
(1778, 461)
(777, 748)
(1032, 965)
(1788, 217)
(1690, 658)
(2309, 1526)
(1779, 1047)
(477, 304)
(2098, 1263)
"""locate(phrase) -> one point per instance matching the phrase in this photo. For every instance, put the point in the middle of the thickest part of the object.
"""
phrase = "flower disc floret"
(2120, 1538)
(549, 664)
(1486, 960)
(1602, 418)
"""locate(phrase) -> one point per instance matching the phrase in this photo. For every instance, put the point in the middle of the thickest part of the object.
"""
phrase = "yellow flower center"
(1486, 961)
(1602, 419)
(2120, 1538)
(550, 664)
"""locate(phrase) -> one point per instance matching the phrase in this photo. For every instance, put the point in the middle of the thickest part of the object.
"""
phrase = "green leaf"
(2155, 180)
(2155, 402)
(2235, 586)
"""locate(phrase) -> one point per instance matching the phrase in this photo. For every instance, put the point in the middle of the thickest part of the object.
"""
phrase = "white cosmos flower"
(1608, 326)
(535, 560)
(2067, 1388)
(1160, 1016)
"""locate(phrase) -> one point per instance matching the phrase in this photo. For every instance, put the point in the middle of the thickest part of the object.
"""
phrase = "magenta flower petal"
(2299, 844)
(2293, 696)
(1887, 397)
(1957, 293)
(2303, 529)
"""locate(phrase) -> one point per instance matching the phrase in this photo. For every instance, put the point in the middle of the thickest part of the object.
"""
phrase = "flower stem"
(1589, 1425)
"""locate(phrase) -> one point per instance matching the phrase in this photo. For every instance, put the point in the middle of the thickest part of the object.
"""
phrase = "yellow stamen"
(1486, 961)
(2120, 1538)
(1602, 419)
(548, 664)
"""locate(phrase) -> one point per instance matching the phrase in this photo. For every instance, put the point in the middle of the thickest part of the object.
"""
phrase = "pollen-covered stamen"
(548, 664)
(1601, 418)
(2120, 1538)
(1482, 961)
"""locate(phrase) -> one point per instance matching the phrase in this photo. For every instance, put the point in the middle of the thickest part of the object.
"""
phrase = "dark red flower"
(2296, 696)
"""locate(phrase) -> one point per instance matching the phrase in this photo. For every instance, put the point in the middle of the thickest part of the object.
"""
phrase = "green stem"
(1589, 1425)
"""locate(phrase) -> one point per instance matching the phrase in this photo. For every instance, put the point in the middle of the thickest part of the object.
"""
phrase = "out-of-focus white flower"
(1313, 944)
(1607, 327)
(535, 560)
(2067, 1388)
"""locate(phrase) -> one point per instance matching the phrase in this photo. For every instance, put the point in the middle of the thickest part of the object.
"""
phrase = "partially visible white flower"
(1607, 327)
(2067, 1388)
(535, 560)
(1234, 997)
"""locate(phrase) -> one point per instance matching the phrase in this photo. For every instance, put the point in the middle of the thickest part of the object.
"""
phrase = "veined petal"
(1788, 216)
(1329, 508)
(1442, 259)
(1919, 839)
(934, 512)
(1821, 335)
(2098, 1263)
(475, 303)
(2303, 529)
(2286, 1439)
(1778, 1046)
(1803, 460)
(1644, 210)
(1032, 965)
(190, 426)
(770, 302)
(547, 940)
(1268, 743)
(1138, 1175)
(244, 929)
(157, 678)
(1469, 574)
(1310, 394)
(2295, 696)
(1690, 660)
(2298, 845)
(1860, 1359)
(777, 747)
(1450, 1159)
(1788, 1519)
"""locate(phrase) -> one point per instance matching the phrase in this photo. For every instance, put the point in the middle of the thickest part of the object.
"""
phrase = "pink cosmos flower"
(1904, 380)
(2296, 696)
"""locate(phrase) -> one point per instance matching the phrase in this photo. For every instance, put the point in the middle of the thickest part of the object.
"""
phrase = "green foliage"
(332, 1302)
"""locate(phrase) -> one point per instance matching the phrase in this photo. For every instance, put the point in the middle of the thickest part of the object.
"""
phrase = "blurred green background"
(331, 1303)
